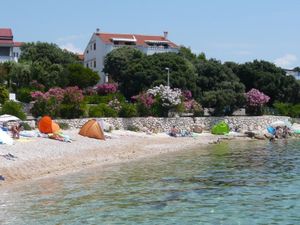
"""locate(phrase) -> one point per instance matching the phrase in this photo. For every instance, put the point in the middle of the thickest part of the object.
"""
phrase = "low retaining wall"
(157, 124)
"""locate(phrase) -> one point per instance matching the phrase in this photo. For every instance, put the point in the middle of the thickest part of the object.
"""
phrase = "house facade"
(10, 50)
(293, 73)
(101, 44)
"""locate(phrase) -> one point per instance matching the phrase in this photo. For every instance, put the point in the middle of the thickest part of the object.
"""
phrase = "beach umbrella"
(6, 118)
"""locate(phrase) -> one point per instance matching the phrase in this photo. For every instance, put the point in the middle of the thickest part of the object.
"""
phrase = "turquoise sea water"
(229, 183)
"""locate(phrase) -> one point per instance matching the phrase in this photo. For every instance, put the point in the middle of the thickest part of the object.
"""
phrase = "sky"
(227, 30)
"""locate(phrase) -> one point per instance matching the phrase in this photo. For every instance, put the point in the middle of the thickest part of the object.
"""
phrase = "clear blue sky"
(229, 30)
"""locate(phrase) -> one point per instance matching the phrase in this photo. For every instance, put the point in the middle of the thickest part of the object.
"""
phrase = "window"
(91, 47)
(87, 65)
(95, 64)
(94, 46)
(87, 51)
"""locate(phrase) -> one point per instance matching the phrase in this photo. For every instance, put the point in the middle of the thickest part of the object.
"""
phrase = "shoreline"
(42, 157)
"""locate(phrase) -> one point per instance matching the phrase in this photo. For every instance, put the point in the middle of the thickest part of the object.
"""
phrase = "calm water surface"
(228, 183)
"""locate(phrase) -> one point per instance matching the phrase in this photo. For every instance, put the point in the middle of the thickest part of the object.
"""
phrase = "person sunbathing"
(174, 132)
(15, 130)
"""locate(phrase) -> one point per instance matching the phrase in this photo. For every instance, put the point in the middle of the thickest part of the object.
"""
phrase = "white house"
(9, 49)
(101, 44)
(293, 73)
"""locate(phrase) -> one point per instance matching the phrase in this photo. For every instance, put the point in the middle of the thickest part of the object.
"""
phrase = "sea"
(236, 182)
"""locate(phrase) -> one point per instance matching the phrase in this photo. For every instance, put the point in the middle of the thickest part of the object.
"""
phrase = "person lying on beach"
(174, 132)
(15, 130)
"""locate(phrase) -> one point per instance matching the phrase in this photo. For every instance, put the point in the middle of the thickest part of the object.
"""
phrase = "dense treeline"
(47, 65)
(215, 84)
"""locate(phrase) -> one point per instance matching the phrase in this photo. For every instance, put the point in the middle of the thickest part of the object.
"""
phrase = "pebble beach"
(30, 158)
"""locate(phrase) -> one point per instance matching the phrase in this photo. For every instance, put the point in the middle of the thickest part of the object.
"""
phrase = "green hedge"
(102, 110)
(287, 109)
(13, 108)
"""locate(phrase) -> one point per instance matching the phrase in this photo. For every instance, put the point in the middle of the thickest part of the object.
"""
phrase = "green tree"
(270, 79)
(220, 87)
(136, 72)
(80, 76)
(47, 53)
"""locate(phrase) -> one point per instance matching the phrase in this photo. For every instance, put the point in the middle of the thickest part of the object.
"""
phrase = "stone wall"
(155, 124)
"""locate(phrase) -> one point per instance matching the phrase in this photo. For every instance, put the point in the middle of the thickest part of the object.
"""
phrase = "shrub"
(102, 110)
(71, 111)
(255, 102)
(104, 89)
(128, 110)
(287, 109)
(24, 95)
(96, 99)
(56, 102)
(4, 94)
(13, 108)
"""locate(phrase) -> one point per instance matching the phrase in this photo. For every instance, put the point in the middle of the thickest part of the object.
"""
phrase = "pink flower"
(256, 98)
(108, 88)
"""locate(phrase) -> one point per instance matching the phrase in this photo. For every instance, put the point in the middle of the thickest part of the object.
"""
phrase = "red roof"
(140, 39)
(18, 44)
(80, 57)
(6, 32)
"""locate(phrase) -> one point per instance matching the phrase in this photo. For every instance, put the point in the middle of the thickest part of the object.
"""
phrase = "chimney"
(165, 34)
(97, 31)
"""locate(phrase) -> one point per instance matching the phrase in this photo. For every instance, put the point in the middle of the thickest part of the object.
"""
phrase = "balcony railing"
(149, 50)
(6, 58)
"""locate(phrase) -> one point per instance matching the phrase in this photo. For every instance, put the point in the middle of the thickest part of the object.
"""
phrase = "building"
(294, 73)
(101, 44)
(10, 50)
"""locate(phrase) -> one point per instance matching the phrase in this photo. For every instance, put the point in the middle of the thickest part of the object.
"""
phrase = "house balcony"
(152, 50)
(7, 59)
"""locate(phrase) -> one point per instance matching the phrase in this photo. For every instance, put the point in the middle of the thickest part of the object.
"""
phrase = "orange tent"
(46, 125)
(92, 129)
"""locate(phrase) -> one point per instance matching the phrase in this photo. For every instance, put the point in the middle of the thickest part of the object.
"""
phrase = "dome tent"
(92, 129)
(46, 125)
(220, 128)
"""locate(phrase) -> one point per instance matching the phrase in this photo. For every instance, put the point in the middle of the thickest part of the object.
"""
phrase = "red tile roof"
(6, 32)
(80, 57)
(18, 44)
(140, 39)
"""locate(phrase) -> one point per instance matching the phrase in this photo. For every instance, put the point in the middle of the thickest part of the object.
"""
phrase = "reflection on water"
(228, 183)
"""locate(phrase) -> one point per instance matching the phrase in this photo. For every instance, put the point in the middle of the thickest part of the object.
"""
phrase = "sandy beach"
(38, 157)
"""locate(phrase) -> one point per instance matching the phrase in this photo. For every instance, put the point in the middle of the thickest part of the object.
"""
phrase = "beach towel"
(5, 138)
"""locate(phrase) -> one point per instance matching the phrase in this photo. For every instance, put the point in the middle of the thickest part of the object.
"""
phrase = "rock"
(197, 129)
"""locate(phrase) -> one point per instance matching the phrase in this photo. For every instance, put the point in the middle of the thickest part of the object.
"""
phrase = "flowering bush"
(187, 95)
(58, 102)
(115, 104)
(89, 91)
(256, 98)
(36, 85)
(255, 101)
(108, 88)
(144, 99)
(72, 95)
(167, 96)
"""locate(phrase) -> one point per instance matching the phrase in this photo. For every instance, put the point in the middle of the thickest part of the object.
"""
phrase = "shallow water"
(228, 183)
